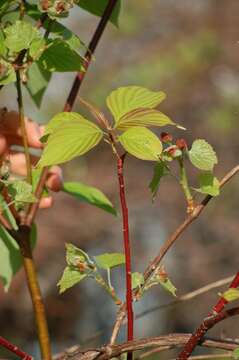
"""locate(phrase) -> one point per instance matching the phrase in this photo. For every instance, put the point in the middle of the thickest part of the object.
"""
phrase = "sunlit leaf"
(143, 117)
(89, 194)
(141, 143)
(74, 255)
(126, 99)
(71, 276)
(235, 353)
(230, 295)
(74, 137)
(107, 261)
(21, 191)
(20, 35)
(7, 73)
(202, 155)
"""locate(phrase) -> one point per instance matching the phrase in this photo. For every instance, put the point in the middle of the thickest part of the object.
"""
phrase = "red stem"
(14, 349)
(222, 302)
(129, 292)
(203, 328)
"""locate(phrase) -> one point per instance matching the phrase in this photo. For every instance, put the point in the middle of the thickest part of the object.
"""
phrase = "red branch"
(203, 328)
(129, 293)
(222, 302)
(14, 349)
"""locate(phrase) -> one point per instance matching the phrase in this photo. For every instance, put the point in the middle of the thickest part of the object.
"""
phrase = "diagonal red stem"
(14, 349)
(129, 292)
(202, 329)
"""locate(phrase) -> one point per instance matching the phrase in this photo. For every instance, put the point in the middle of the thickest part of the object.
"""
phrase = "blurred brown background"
(189, 49)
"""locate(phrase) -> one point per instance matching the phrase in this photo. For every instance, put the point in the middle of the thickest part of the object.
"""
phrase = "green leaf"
(160, 277)
(60, 57)
(209, 184)
(37, 82)
(160, 170)
(137, 279)
(70, 277)
(36, 48)
(36, 174)
(235, 353)
(3, 49)
(143, 117)
(107, 261)
(97, 8)
(10, 257)
(7, 73)
(73, 137)
(202, 155)
(20, 35)
(89, 194)
(126, 99)
(168, 285)
(21, 191)
(230, 295)
(141, 143)
(74, 255)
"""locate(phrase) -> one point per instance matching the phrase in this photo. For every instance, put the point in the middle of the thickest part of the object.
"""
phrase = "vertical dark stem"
(88, 55)
(74, 92)
(23, 239)
(23, 127)
(14, 349)
(129, 292)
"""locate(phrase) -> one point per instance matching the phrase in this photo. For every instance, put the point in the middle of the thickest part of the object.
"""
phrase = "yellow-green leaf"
(125, 99)
(73, 137)
(231, 295)
(70, 277)
(202, 155)
(141, 143)
(107, 261)
(143, 117)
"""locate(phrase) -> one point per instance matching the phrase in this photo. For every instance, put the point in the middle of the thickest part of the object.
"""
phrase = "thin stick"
(23, 126)
(73, 95)
(127, 251)
(23, 239)
(14, 349)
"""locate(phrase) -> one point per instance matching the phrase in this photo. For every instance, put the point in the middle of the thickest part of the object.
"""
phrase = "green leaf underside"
(235, 353)
(107, 261)
(9, 75)
(231, 295)
(126, 99)
(74, 254)
(70, 277)
(70, 139)
(97, 8)
(10, 257)
(38, 80)
(159, 171)
(90, 195)
(143, 117)
(60, 57)
(168, 285)
(202, 155)
(20, 35)
(141, 143)
(137, 279)
(209, 184)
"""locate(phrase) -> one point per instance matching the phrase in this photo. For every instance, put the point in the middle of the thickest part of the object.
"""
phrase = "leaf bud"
(181, 144)
(166, 137)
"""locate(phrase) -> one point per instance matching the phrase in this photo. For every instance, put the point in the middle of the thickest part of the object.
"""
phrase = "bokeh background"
(189, 49)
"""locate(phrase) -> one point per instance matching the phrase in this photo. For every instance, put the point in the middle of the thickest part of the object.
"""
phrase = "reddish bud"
(44, 4)
(181, 144)
(60, 7)
(166, 137)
